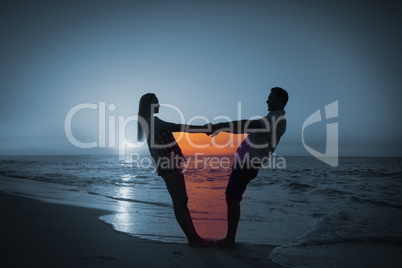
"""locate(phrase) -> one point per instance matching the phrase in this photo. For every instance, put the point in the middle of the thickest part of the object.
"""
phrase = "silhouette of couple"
(263, 137)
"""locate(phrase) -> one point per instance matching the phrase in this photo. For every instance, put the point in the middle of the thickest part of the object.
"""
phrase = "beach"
(41, 234)
(91, 211)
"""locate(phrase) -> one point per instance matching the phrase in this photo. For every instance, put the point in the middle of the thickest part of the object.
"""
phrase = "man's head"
(277, 99)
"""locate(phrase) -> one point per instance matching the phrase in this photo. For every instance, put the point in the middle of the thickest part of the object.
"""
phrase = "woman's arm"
(172, 127)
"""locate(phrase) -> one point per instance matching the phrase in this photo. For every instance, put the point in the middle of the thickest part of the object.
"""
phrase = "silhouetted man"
(263, 137)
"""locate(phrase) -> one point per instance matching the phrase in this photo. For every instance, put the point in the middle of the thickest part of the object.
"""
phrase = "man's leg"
(234, 191)
(239, 178)
(233, 219)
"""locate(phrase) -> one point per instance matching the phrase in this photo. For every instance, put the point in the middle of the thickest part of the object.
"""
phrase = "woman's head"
(148, 106)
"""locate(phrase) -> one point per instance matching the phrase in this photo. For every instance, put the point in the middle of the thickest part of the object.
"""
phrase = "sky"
(207, 58)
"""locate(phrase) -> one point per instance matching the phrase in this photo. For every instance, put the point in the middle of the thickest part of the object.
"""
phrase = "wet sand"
(40, 234)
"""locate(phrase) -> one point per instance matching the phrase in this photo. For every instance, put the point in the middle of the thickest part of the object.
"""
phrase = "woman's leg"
(177, 190)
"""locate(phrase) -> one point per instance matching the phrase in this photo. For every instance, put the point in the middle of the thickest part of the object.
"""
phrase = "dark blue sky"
(203, 57)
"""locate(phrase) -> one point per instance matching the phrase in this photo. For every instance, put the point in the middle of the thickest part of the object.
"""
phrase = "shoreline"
(37, 234)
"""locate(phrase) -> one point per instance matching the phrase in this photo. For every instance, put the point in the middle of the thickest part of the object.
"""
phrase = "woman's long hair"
(144, 115)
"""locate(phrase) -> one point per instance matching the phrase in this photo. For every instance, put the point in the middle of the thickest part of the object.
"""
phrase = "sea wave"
(341, 227)
(336, 239)
(375, 202)
(159, 204)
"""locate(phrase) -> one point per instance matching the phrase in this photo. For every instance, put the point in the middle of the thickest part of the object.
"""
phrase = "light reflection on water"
(123, 218)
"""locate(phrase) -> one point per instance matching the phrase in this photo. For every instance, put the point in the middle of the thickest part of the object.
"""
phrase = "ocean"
(317, 215)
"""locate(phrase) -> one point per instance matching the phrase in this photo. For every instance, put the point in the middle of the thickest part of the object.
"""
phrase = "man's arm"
(240, 126)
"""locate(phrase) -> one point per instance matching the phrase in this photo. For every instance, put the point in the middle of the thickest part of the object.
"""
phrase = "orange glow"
(206, 203)
(222, 144)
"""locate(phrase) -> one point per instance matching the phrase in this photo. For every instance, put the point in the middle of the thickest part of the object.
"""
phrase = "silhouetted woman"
(166, 156)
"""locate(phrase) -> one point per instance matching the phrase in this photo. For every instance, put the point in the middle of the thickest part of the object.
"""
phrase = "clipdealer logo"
(112, 128)
(330, 156)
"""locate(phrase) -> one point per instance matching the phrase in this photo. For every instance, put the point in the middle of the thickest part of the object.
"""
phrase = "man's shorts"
(239, 178)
